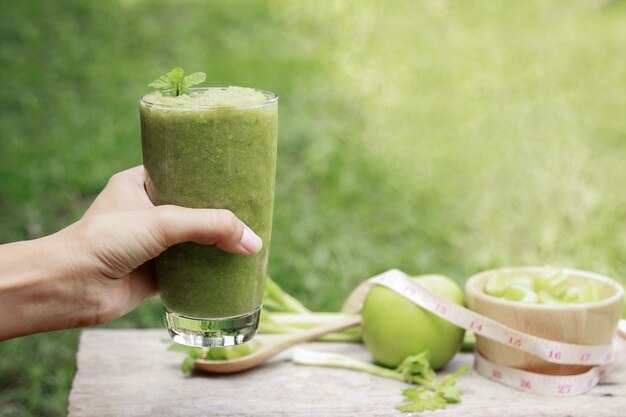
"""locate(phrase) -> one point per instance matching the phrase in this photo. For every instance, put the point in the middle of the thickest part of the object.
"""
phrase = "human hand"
(122, 230)
(99, 268)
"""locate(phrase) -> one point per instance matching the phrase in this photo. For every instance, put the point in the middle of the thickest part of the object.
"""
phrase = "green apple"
(394, 327)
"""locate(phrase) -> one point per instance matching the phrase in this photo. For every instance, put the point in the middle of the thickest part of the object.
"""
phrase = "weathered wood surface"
(130, 373)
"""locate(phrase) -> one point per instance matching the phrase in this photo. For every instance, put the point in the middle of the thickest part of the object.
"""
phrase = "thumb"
(207, 226)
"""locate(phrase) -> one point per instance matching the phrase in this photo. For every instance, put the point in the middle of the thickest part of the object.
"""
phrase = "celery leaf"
(420, 399)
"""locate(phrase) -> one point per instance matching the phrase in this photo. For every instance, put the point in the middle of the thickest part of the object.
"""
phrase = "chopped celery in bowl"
(551, 287)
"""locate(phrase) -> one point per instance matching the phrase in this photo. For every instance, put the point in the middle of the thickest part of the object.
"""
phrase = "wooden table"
(130, 373)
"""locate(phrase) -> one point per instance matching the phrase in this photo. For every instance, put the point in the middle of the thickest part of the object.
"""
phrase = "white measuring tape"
(606, 357)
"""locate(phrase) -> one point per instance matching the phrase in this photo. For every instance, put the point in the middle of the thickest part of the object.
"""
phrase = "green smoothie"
(212, 148)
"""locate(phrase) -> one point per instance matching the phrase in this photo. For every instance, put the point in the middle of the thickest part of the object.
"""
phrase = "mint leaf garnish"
(162, 83)
(193, 79)
(175, 83)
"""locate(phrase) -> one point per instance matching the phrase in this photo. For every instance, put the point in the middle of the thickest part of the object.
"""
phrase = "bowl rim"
(470, 287)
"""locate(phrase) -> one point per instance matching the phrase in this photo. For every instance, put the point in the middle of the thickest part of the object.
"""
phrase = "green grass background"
(430, 136)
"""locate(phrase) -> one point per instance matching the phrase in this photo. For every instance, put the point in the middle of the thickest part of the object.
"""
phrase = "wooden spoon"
(269, 345)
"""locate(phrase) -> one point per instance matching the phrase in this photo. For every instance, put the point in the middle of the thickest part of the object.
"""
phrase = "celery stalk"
(308, 357)
(286, 323)
(274, 298)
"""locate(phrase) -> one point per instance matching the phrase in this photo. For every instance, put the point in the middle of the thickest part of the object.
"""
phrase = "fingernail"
(250, 241)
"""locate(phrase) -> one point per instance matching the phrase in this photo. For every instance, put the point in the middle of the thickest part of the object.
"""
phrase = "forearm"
(39, 289)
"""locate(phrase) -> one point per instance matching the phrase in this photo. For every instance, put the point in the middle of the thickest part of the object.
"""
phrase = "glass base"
(229, 331)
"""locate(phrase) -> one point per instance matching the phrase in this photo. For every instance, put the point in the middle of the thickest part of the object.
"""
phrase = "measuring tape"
(605, 357)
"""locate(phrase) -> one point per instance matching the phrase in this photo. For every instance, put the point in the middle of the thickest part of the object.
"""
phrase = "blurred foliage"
(430, 136)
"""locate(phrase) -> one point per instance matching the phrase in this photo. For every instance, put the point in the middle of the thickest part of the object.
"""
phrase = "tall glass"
(212, 156)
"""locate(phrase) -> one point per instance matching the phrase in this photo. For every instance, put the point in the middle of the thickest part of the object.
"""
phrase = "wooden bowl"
(584, 324)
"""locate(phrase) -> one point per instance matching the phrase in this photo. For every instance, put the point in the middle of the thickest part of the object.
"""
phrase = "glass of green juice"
(212, 148)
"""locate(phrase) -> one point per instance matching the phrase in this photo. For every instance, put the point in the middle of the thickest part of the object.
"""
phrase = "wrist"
(72, 266)
(39, 287)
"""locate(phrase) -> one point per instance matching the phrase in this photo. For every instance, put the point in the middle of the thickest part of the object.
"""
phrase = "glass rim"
(271, 99)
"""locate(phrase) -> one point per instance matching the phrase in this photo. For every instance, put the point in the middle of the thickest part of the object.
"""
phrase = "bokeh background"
(431, 136)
